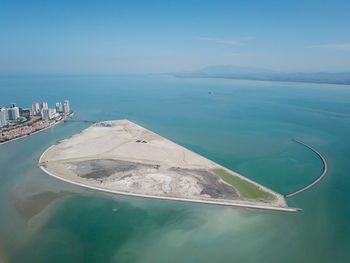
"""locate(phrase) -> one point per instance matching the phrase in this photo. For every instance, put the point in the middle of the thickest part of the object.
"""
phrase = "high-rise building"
(5, 110)
(66, 106)
(59, 107)
(53, 113)
(36, 108)
(13, 113)
(43, 106)
(13, 105)
(3, 117)
(46, 114)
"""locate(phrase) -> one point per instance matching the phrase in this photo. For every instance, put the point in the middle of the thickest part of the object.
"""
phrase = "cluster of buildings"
(18, 122)
(8, 114)
(47, 113)
(23, 130)
(12, 115)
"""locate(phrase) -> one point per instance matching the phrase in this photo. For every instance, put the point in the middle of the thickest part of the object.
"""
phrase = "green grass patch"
(246, 189)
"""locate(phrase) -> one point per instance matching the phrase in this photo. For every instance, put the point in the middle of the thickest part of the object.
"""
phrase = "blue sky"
(103, 37)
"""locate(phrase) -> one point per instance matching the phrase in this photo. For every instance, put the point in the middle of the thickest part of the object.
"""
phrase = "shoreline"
(244, 204)
(224, 168)
(265, 80)
(38, 131)
(233, 204)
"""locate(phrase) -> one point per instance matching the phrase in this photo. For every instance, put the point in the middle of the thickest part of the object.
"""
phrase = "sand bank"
(122, 157)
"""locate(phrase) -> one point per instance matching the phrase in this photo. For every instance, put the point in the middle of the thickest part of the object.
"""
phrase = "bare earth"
(124, 158)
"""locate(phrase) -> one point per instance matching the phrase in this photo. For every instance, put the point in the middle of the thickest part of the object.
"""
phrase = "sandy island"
(122, 157)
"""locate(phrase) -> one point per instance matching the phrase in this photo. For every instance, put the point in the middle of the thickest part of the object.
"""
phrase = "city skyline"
(19, 122)
(155, 37)
(12, 112)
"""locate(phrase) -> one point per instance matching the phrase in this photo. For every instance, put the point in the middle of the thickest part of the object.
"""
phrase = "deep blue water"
(246, 126)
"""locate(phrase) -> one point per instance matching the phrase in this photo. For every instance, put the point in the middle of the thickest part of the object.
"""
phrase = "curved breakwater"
(318, 179)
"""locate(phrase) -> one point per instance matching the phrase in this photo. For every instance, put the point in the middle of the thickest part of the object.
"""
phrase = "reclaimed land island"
(122, 157)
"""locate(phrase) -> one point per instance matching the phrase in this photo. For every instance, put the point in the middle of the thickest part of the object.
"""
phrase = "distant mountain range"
(252, 73)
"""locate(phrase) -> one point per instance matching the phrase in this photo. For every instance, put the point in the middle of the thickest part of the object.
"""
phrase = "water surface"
(246, 126)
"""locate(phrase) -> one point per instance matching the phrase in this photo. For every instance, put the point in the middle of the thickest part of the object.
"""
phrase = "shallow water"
(246, 126)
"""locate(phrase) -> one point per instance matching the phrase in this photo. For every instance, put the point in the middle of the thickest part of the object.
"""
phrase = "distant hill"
(252, 73)
(231, 69)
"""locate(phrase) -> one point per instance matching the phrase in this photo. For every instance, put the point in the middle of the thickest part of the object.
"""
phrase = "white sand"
(119, 143)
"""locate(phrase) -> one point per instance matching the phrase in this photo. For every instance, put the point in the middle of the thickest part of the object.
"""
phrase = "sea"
(246, 126)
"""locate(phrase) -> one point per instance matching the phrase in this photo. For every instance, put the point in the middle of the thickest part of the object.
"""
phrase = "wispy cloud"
(343, 46)
(233, 42)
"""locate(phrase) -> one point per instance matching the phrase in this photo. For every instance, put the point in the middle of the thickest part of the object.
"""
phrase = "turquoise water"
(246, 126)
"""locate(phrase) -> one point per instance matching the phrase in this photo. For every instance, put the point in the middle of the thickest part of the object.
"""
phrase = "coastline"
(224, 168)
(49, 127)
(283, 81)
(234, 203)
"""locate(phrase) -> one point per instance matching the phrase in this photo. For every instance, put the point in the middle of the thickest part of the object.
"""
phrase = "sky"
(107, 37)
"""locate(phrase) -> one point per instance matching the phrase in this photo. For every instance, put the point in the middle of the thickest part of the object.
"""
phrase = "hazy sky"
(159, 36)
